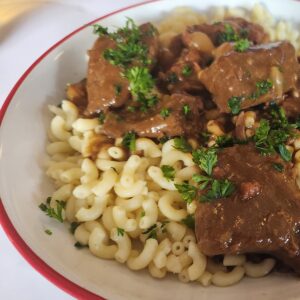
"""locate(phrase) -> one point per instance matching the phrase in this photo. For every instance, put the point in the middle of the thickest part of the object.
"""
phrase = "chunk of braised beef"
(106, 87)
(231, 29)
(183, 118)
(251, 77)
(261, 217)
(291, 106)
(182, 76)
(76, 92)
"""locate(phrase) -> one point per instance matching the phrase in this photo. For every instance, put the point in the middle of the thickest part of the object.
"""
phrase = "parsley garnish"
(143, 213)
(168, 172)
(55, 213)
(129, 141)
(228, 35)
(131, 108)
(225, 141)
(206, 159)
(278, 167)
(189, 221)
(234, 104)
(100, 30)
(101, 117)
(262, 88)
(187, 191)
(118, 89)
(186, 109)
(165, 112)
(152, 230)
(271, 135)
(241, 45)
(202, 180)
(120, 231)
(141, 84)
(48, 231)
(180, 143)
(187, 70)
(219, 189)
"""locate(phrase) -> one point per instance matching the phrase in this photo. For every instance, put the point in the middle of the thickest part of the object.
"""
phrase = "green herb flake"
(143, 213)
(56, 212)
(241, 45)
(284, 152)
(206, 159)
(48, 231)
(225, 141)
(165, 112)
(188, 192)
(187, 71)
(151, 232)
(168, 172)
(129, 141)
(202, 180)
(180, 143)
(234, 104)
(228, 35)
(100, 30)
(278, 167)
(262, 88)
(101, 117)
(120, 231)
(219, 189)
(189, 221)
(186, 109)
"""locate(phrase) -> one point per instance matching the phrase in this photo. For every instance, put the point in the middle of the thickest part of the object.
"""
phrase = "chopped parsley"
(100, 30)
(271, 135)
(187, 71)
(228, 35)
(180, 143)
(186, 109)
(234, 104)
(225, 141)
(278, 167)
(101, 117)
(120, 231)
(118, 89)
(143, 213)
(202, 180)
(189, 221)
(48, 231)
(131, 108)
(129, 141)
(206, 159)
(241, 45)
(141, 84)
(219, 189)
(165, 112)
(262, 88)
(129, 46)
(168, 172)
(56, 212)
(152, 230)
(188, 192)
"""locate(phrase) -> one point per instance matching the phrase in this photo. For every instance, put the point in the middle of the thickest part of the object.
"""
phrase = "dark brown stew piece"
(106, 87)
(155, 124)
(263, 216)
(76, 92)
(248, 75)
(227, 30)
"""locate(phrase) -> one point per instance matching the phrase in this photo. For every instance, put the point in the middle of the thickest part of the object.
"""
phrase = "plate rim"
(11, 232)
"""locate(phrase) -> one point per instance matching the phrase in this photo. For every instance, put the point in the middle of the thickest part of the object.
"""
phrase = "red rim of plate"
(36, 262)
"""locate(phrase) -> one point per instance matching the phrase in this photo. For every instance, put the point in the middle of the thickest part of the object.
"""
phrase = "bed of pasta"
(123, 207)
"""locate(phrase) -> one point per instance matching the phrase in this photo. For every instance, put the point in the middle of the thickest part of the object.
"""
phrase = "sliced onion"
(201, 42)
(277, 79)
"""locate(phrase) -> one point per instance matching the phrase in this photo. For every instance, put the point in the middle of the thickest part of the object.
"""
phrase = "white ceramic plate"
(23, 184)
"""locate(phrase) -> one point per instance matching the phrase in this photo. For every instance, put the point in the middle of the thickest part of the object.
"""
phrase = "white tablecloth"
(27, 29)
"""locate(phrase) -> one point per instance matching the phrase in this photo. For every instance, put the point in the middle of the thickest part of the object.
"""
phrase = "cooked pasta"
(125, 207)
